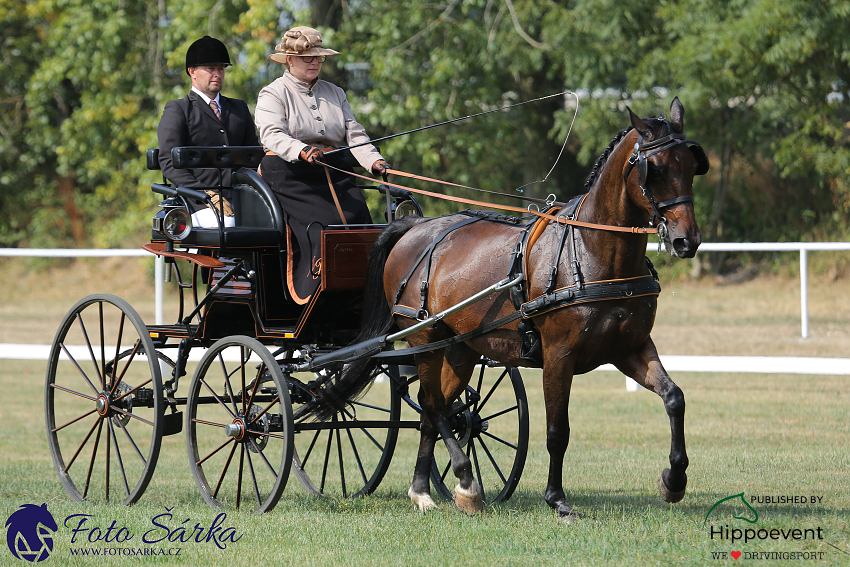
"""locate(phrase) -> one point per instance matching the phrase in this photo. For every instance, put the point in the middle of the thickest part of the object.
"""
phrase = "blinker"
(702, 159)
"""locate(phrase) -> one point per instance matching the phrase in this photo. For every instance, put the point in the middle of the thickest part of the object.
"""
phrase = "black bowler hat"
(206, 51)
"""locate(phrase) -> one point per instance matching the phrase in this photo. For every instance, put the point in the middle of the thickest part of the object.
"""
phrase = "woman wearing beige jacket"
(298, 116)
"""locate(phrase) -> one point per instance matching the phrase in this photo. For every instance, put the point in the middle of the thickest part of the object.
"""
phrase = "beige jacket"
(290, 115)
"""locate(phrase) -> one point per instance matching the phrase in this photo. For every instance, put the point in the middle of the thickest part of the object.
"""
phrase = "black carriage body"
(254, 302)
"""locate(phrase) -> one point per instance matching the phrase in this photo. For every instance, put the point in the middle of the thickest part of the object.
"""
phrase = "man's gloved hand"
(380, 167)
(311, 154)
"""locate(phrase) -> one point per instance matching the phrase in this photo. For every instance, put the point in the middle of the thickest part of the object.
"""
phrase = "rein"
(561, 220)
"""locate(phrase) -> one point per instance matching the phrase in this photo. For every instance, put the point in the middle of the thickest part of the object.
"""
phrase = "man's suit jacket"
(190, 121)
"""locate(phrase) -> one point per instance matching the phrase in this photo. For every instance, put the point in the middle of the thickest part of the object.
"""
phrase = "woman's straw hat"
(300, 41)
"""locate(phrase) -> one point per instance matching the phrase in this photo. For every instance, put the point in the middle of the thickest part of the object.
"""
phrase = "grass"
(761, 435)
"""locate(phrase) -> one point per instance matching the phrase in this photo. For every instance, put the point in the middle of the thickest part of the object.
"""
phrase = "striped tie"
(215, 109)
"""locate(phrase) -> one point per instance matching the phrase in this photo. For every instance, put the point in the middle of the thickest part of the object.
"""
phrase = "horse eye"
(656, 172)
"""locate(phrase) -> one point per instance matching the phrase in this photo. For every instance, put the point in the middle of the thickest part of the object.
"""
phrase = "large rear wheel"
(103, 401)
(490, 421)
(239, 426)
(348, 455)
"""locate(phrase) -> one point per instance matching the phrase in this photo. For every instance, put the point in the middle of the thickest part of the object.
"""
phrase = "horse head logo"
(29, 532)
(733, 497)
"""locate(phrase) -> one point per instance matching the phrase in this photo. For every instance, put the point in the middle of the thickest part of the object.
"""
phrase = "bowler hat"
(206, 51)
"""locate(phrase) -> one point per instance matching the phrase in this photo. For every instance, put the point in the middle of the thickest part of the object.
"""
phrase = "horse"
(644, 178)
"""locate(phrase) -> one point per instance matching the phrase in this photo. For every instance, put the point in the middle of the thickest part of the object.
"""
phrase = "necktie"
(215, 109)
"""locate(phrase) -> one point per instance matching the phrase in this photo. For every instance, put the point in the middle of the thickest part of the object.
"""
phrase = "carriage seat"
(258, 218)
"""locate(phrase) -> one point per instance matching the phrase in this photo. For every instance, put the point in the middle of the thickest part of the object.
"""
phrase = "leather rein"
(639, 156)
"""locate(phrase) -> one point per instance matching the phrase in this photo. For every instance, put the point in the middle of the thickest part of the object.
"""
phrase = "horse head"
(659, 177)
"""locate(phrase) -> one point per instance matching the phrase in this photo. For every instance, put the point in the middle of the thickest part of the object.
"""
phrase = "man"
(204, 118)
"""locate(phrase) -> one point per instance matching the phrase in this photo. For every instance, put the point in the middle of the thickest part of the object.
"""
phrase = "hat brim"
(280, 56)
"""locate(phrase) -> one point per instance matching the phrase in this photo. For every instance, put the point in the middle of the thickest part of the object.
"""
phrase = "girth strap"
(591, 291)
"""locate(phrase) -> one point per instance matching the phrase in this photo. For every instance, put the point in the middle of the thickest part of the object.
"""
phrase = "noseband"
(639, 157)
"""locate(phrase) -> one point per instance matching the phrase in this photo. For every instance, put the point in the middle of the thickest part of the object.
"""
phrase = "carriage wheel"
(103, 401)
(349, 455)
(492, 430)
(239, 426)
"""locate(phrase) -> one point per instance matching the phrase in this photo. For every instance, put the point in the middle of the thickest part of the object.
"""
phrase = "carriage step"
(172, 423)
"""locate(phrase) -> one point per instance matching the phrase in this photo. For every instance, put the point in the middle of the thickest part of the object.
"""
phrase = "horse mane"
(600, 162)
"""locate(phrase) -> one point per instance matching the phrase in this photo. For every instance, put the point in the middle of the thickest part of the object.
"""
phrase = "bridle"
(639, 157)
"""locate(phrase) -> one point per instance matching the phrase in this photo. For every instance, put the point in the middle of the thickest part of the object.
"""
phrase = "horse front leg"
(645, 368)
(557, 382)
(420, 488)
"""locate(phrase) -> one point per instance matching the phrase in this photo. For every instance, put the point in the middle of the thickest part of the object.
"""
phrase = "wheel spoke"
(267, 408)
(130, 359)
(253, 478)
(493, 461)
(356, 454)
(132, 442)
(239, 477)
(216, 450)
(217, 399)
(108, 446)
(327, 458)
(75, 420)
(120, 460)
(497, 414)
(117, 351)
(500, 440)
(83, 444)
(446, 470)
(93, 457)
(345, 412)
(493, 389)
(228, 385)
(341, 464)
(102, 372)
(477, 469)
(225, 469)
(361, 404)
(134, 416)
(88, 345)
(263, 456)
(79, 369)
(310, 449)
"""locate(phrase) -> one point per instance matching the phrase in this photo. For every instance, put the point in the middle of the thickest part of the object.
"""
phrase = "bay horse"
(645, 175)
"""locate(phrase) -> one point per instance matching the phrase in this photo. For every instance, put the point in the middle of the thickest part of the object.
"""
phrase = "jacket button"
(309, 93)
(318, 118)
(314, 107)
(322, 132)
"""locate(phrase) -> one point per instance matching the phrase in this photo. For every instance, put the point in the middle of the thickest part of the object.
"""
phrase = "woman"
(298, 116)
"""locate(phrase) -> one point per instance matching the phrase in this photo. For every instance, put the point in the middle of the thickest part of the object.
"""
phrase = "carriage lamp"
(405, 209)
(173, 219)
(177, 224)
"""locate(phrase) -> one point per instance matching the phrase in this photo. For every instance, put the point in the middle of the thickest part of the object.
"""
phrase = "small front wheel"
(239, 426)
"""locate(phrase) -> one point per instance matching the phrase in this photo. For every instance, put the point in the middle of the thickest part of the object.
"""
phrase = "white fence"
(802, 248)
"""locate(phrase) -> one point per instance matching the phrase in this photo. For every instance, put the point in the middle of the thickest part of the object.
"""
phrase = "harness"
(639, 157)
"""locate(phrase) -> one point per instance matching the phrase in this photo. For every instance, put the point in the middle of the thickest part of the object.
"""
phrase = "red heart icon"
(735, 554)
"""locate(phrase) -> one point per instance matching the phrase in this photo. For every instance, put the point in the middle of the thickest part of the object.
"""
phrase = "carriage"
(319, 390)
(113, 389)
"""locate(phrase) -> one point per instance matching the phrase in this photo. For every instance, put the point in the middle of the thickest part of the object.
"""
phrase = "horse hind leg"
(442, 380)
(646, 369)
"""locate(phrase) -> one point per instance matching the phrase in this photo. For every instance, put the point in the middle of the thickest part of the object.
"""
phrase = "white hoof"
(423, 501)
(469, 499)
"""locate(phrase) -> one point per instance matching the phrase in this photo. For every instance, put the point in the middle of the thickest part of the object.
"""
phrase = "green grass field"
(760, 435)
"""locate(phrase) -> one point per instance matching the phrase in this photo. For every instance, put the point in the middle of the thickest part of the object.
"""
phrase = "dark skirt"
(308, 207)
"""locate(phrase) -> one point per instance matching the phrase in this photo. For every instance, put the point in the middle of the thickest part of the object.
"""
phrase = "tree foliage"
(765, 86)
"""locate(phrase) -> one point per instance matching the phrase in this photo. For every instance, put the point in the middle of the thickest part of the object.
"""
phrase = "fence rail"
(802, 248)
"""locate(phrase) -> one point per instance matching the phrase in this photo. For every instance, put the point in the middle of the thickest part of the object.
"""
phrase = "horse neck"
(612, 254)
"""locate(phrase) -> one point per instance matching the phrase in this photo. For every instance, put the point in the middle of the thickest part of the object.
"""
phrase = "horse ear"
(639, 125)
(677, 116)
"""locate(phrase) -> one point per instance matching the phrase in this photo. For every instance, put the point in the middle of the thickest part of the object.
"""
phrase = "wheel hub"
(235, 429)
(102, 404)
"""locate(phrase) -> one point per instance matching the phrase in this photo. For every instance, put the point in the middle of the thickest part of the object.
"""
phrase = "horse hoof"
(572, 516)
(422, 501)
(469, 499)
(670, 496)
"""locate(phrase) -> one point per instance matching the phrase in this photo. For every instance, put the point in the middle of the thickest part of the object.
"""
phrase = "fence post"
(804, 292)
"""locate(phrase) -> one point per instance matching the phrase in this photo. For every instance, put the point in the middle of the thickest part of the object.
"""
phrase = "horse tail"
(376, 320)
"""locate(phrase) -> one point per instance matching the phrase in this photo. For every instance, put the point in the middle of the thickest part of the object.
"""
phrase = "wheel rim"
(239, 426)
(103, 401)
(349, 455)
(492, 431)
